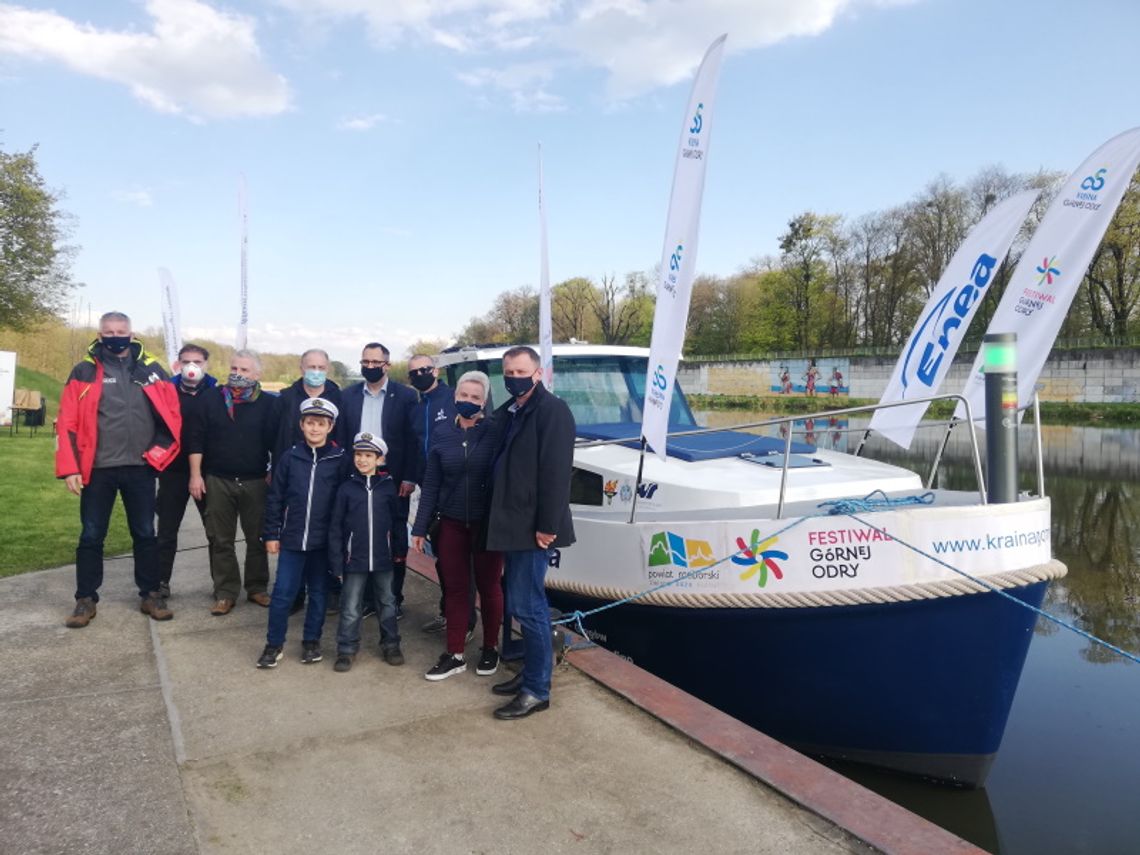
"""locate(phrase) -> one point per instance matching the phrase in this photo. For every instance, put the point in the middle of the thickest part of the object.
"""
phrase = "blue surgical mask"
(314, 378)
(468, 409)
(518, 386)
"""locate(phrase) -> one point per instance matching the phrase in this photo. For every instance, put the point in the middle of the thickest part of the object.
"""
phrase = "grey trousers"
(228, 501)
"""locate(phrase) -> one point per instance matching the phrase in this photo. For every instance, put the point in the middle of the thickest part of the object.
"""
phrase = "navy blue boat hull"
(922, 687)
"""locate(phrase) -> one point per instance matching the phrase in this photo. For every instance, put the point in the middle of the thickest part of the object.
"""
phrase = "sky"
(389, 147)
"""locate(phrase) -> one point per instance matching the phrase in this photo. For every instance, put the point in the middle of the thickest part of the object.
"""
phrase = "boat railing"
(847, 411)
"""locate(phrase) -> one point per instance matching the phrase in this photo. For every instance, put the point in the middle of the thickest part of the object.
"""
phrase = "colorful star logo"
(1047, 271)
(758, 558)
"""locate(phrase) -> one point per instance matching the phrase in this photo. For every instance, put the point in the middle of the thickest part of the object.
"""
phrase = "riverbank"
(1052, 412)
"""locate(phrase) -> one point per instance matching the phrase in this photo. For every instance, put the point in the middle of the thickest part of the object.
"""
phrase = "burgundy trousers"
(458, 562)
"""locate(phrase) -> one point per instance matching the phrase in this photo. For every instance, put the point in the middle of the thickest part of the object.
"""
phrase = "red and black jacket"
(78, 423)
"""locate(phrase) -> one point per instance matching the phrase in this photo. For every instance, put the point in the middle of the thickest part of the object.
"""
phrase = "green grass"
(47, 386)
(39, 518)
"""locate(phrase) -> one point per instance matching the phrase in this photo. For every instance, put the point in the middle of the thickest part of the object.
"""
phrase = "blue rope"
(874, 501)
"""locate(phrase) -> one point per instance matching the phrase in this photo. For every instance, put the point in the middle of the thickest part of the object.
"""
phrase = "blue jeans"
(351, 608)
(293, 567)
(136, 485)
(525, 573)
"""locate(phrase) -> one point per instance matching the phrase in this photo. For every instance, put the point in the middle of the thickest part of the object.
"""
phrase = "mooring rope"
(875, 501)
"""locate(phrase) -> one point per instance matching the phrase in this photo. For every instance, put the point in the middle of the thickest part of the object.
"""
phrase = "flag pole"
(637, 486)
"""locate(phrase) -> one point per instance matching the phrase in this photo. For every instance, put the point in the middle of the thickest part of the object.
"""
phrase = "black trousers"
(173, 495)
(136, 485)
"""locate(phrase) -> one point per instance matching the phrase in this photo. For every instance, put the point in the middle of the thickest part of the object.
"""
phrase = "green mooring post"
(1000, 363)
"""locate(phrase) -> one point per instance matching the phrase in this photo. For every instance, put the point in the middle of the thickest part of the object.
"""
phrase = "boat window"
(599, 389)
(585, 487)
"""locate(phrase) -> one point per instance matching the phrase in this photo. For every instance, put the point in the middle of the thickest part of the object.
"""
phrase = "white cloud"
(142, 198)
(196, 60)
(362, 123)
(640, 44)
(342, 342)
(525, 83)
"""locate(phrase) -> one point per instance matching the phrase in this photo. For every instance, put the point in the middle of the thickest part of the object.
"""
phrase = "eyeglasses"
(420, 371)
(373, 363)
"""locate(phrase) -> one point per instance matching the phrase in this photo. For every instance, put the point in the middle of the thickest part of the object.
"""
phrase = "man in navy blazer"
(386, 409)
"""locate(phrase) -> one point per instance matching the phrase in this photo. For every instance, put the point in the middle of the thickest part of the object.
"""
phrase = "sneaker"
(445, 667)
(84, 613)
(470, 635)
(270, 656)
(343, 663)
(399, 611)
(332, 604)
(154, 605)
(393, 656)
(310, 652)
(436, 624)
(488, 662)
(298, 606)
(164, 590)
(368, 611)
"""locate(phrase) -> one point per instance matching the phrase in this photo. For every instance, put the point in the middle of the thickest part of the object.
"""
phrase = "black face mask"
(116, 344)
(518, 386)
(372, 374)
(423, 382)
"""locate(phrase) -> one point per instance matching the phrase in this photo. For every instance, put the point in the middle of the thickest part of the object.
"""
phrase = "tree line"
(838, 281)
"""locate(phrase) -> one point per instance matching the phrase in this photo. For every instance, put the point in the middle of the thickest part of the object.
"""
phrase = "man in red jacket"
(119, 424)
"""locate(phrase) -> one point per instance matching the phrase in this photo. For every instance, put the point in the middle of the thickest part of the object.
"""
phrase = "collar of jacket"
(138, 352)
(379, 477)
(208, 382)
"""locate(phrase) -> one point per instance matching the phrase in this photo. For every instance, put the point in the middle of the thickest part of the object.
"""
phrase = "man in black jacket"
(436, 407)
(231, 444)
(385, 408)
(529, 516)
(313, 383)
(193, 378)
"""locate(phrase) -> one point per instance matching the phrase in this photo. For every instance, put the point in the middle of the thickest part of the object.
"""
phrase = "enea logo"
(675, 258)
(757, 556)
(934, 333)
(667, 548)
(659, 383)
(1048, 270)
(1086, 197)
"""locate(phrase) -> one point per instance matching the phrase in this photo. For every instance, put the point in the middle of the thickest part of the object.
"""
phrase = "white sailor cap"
(319, 407)
(365, 441)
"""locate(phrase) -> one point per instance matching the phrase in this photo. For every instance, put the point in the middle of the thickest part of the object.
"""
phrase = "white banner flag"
(679, 257)
(545, 327)
(1047, 277)
(243, 321)
(171, 318)
(930, 350)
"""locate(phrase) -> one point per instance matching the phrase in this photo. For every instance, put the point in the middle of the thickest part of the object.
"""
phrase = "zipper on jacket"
(368, 487)
(466, 485)
(309, 502)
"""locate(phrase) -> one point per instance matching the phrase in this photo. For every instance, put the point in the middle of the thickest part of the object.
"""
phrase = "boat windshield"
(599, 389)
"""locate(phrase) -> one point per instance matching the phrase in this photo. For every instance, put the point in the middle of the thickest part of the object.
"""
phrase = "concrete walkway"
(134, 736)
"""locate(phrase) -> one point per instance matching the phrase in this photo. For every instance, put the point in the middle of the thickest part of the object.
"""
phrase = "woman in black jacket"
(455, 491)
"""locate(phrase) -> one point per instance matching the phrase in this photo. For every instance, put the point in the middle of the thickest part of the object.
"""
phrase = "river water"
(1067, 776)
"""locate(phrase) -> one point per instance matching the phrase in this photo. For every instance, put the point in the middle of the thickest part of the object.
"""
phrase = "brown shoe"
(84, 613)
(154, 605)
(221, 607)
(261, 598)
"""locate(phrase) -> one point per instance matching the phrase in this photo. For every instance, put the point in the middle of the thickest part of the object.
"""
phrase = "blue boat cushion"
(705, 446)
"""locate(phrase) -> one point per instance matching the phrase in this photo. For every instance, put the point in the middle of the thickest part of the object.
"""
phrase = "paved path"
(132, 736)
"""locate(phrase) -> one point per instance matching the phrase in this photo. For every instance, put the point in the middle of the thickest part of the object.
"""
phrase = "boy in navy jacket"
(296, 528)
(360, 549)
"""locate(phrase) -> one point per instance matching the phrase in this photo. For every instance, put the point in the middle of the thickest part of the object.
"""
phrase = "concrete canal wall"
(1096, 376)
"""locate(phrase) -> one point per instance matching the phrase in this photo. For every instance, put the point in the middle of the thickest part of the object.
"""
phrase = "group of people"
(321, 477)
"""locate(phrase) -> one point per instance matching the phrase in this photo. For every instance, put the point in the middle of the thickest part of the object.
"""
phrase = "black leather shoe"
(511, 687)
(523, 705)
